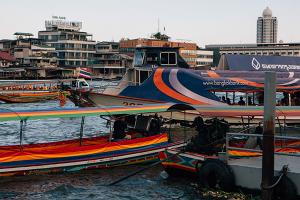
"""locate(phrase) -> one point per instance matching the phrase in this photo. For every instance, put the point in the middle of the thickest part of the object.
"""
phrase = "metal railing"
(232, 135)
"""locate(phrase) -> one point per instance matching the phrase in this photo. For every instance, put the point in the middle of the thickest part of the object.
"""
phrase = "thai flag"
(84, 73)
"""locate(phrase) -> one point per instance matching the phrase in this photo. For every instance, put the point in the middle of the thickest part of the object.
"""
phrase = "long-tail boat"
(28, 92)
(84, 153)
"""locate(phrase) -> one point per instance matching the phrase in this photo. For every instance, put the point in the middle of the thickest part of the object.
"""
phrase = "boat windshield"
(138, 58)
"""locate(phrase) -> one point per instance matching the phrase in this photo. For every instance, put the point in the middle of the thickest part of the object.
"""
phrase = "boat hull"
(28, 97)
(71, 156)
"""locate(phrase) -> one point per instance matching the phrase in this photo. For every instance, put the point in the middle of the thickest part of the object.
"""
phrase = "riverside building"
(74, 48)
(33, 52)
(109, 63)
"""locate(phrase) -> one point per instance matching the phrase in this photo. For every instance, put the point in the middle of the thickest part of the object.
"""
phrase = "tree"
(160, 36)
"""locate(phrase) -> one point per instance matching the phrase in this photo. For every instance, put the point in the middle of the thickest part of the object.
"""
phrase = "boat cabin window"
(168, 58)
(83, 84)
(141, 76)
(152, 58)
(139, 58)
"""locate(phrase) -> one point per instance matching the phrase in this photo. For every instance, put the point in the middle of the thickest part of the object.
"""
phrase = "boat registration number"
(131, 104)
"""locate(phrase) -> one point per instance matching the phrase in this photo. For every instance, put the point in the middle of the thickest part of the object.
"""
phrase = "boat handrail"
(260, 135)
(231, 135)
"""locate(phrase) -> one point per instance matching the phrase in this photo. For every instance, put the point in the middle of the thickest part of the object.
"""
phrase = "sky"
(200, 21)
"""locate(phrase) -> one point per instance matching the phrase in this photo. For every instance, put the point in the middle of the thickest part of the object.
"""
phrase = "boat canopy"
(240, 111)
(210, 111)
(8, 115)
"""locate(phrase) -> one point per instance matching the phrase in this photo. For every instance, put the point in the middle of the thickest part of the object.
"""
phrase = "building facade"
(7, 45)
(109, 63)
(32, 52)
(6, 60)
(204, 58)
(74, 48)
(264, 49)
(188, 50)
(267, 27)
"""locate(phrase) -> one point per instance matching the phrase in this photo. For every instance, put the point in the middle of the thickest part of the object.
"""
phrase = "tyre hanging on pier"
(216, 174)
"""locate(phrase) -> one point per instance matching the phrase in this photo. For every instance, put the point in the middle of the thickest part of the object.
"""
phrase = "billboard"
(262, 63)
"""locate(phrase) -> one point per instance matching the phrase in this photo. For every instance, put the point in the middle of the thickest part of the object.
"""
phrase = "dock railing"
(230, 136)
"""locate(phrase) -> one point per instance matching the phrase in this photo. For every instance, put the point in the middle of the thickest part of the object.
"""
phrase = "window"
(168, 58)
(138, 59)
(143, 76)
(151, 58)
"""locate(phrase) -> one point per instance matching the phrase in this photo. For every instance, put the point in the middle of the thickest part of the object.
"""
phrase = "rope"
(283, 172)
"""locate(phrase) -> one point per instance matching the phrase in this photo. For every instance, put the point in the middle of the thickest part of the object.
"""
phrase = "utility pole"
(268, 135)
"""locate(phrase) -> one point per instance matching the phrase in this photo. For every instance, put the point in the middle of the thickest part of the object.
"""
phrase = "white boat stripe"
(183, 90)
(291, 82)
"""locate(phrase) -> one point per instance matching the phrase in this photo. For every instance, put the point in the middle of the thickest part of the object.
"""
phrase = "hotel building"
(74, 48)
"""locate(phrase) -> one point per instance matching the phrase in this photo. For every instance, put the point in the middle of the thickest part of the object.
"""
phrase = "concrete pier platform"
(247, 171)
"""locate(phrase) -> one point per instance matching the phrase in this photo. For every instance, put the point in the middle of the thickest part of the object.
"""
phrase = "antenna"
(158, 26)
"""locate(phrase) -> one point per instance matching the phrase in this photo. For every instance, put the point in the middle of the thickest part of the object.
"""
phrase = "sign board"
(262, 63)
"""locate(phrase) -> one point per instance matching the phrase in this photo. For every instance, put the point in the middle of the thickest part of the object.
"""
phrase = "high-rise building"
(74, 47)
(267, 27)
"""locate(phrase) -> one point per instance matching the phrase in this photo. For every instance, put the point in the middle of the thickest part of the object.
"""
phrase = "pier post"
(268, 135)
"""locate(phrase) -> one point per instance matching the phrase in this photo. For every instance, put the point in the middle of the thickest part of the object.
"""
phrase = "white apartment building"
(204, 58)
(74, 48)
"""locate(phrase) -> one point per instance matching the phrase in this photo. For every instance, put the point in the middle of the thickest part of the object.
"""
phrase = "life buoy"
(285, 190)
(216, 174)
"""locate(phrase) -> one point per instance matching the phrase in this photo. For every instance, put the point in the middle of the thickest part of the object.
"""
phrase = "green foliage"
(160, 36)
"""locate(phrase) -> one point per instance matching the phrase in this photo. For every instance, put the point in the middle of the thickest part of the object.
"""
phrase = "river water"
(82, 185)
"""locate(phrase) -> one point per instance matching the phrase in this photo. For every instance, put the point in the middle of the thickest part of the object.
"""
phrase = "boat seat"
(147, 125)
(142, 123)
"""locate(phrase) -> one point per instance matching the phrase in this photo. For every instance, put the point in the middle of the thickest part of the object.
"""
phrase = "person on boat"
(241, 101)
(228, 101)
(260, 98)
(296, 101)
(285, 99)
(250, 101)
(223, 99)
(119, 131)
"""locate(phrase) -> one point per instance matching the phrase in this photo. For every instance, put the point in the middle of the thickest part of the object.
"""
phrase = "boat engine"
(210, 137)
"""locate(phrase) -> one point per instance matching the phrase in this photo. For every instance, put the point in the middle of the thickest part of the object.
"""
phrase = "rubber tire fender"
(216, 174)
(285, 190)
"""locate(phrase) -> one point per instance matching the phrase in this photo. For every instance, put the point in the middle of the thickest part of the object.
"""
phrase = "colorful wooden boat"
(79, 154)
(28, 97)
(31, 91)
(73, 155)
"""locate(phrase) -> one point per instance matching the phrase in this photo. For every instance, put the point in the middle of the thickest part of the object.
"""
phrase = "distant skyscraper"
(267, 27)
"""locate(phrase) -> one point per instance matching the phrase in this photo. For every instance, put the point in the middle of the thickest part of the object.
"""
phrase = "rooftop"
(267, 12)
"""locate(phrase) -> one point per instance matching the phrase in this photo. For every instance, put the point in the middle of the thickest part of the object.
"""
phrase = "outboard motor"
(211, 136)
